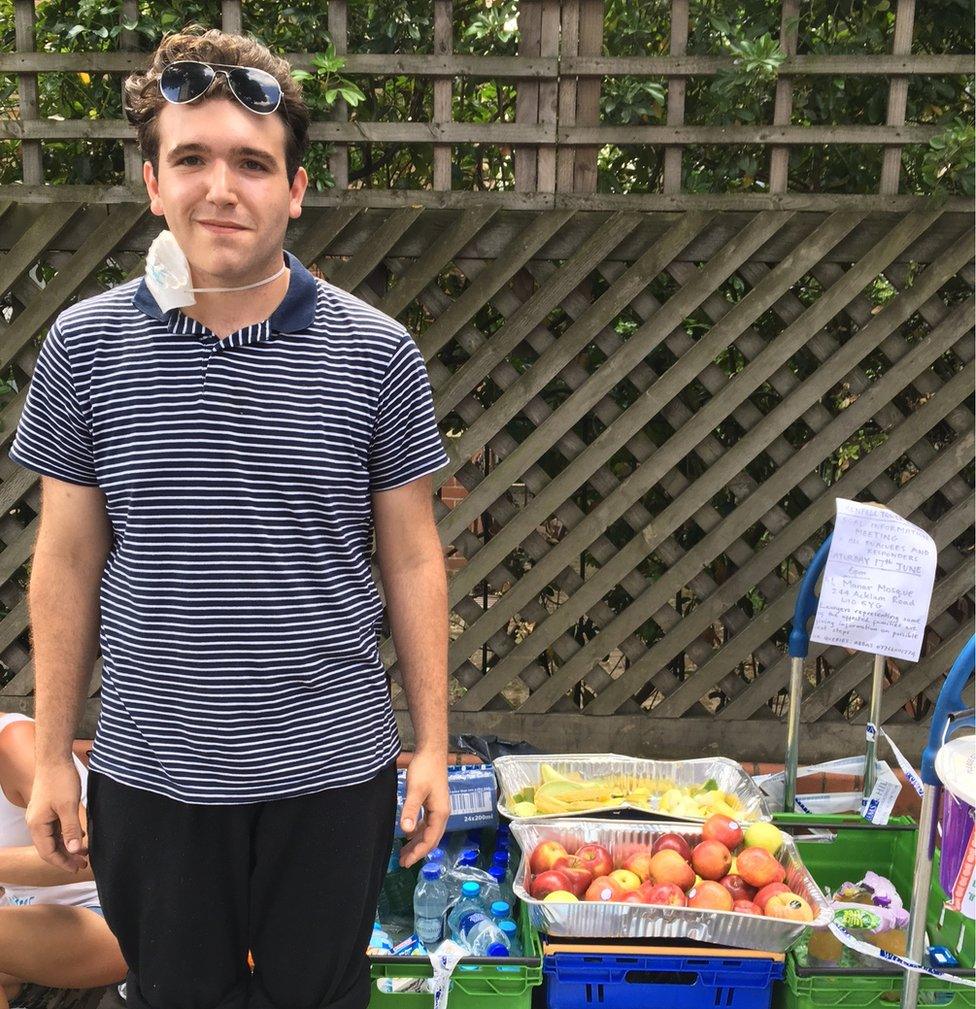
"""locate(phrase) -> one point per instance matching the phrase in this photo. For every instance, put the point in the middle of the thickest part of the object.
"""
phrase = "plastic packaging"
(456, 878)
(470, 899)
(479, 934)
(430, 903)
(379, 942)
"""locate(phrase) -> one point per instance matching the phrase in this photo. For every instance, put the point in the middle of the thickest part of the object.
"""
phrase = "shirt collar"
(295, 313)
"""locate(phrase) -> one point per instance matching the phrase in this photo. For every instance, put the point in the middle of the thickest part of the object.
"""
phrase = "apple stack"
(725, 869)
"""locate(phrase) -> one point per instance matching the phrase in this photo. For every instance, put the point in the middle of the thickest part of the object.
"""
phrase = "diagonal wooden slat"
(32, 243)
(425, 270)
(323, 231)
(524, 245)
(350, 274)
(56, 294)
(543, 301)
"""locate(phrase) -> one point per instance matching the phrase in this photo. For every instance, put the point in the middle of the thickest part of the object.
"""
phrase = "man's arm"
(411, 563)
(69, 557)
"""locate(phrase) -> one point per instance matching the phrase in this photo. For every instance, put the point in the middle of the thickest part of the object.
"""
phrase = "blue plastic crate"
(626, 981)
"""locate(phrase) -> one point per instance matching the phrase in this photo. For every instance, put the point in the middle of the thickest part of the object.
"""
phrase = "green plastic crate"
(477, 987)
(889, 851)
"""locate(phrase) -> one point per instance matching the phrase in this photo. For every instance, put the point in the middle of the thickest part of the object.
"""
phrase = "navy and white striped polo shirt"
(239, 613)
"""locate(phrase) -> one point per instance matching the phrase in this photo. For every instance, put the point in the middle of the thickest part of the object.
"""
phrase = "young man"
(212, 477)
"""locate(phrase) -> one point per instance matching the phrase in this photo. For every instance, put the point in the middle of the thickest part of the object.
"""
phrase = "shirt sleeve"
(406, 443)
(54, 437)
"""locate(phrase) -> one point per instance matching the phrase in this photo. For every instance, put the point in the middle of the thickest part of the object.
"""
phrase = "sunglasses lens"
(184, 81)
(258, 90)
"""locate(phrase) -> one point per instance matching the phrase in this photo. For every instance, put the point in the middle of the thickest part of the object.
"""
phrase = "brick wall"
(451, 493)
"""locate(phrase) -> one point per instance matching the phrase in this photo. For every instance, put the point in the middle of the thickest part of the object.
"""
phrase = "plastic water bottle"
(469, 856)
(430, 904)
(503, 883)
(510, 931)
(437, 855)
(469, 899)
(500, 910)
(478, 933)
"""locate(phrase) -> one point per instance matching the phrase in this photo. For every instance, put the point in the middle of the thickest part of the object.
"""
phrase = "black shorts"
(189, 889)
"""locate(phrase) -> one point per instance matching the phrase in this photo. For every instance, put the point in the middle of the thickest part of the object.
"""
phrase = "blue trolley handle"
(950, 710)
(806, 603)
(803, 614)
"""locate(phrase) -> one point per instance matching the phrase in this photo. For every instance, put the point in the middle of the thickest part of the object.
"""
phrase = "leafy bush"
(747, 30)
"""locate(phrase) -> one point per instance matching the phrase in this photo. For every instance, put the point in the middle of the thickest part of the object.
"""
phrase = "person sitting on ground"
(52, 932)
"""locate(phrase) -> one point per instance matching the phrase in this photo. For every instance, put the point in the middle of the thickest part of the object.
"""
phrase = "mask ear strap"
(246, 287)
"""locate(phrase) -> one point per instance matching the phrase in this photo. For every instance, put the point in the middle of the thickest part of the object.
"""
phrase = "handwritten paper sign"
(877, 583)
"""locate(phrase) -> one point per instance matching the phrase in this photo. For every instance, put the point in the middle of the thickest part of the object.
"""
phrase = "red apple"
(604, 889)
(596, 858)
(711, 895)
(579, 875)
(548, 881)
(633, 897)
(738, 887)
(711, 860)
(719, 827)
(544, 856)
(768, 891)
(668, 866)
(747, 907)
(674, 842)
(758, 868)
(639, 863)
(666, 893)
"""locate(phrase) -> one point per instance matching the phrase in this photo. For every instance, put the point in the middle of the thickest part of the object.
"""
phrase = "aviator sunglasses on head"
(186, 80)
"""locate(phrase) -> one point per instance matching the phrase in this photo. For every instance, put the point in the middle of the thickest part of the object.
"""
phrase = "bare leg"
(57, 946)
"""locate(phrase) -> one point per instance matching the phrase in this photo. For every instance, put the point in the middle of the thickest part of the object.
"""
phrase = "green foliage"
(746, 30)
(948, 164)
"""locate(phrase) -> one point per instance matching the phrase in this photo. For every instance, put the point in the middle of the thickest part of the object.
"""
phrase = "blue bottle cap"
(508, 926)
(437, 855)
(500, 858)
(497, 949)
(470, 888)
(500, 909)
(471, 853)
(497, 873)
(432, 871)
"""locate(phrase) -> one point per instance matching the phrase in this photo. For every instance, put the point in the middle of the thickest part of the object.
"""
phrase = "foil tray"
(518, 772)
(588, 919)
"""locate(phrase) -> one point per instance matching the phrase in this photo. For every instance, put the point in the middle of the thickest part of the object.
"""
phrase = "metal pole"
(874, 717)
(793, 733)
(924, 850)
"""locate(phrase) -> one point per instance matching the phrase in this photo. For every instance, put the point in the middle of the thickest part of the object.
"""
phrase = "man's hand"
(52, 817)
(427, 787)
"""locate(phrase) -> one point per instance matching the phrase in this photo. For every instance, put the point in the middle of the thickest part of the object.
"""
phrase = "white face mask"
(168, 274)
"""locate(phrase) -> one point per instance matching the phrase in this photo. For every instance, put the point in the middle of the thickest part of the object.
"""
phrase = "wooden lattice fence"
(652, 415)
(651, 400)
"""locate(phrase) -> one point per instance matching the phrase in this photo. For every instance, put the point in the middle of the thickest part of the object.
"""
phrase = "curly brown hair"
(143, 100)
